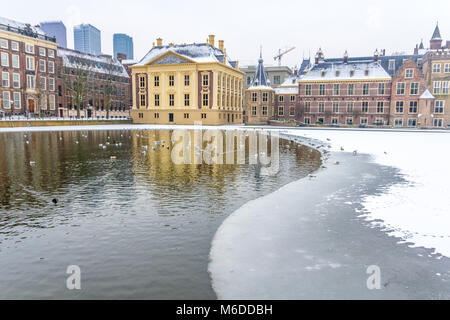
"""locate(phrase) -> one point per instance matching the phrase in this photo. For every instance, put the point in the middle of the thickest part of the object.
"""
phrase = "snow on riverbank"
(418, 212)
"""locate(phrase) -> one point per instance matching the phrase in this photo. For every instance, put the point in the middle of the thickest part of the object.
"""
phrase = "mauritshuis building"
(400, 90)
(185, 83)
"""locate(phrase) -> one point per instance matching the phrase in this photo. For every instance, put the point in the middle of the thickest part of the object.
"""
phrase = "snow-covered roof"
(129, 61)
(360, 70)
(99, 64)
(37, 31)
(289, 86)
(427, 95)
(197, 52)
(260, 80)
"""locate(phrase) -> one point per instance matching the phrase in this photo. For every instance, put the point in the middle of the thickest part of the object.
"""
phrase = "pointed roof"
(260, 80)
(436, 34)
(421, 47)
(427, 95)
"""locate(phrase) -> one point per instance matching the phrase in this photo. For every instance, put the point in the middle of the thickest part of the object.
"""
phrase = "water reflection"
(121, 206)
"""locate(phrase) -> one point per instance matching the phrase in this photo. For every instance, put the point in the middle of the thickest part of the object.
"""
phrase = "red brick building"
(28, 70)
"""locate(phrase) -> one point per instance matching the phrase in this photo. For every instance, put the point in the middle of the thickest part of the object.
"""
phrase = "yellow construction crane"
(281, 53)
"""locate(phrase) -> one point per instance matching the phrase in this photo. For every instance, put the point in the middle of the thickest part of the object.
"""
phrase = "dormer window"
(323, 73)
(352, 73)
(338, 73)
(366, 72)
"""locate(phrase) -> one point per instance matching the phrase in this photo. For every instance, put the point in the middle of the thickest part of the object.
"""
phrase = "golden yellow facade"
(174, 89)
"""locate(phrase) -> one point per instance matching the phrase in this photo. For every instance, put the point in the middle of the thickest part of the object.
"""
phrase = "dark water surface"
(139, 226)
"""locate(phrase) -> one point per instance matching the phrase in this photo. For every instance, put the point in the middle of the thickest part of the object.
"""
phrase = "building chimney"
(237, 65)
(416, 50)
(346, 57)
(159, 42)
(221, 43)
(225, 56)
(211, 38)
(376, 55)
(153, 44)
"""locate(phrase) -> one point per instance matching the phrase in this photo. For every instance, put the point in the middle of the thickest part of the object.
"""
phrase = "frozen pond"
(139, 226)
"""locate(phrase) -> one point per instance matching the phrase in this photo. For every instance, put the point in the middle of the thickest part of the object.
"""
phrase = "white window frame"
(5, 59)
(30, 63)
(29, 48)
(18, 80)
(17, 105)
(51, 53)
(8, 82)
(445, 87)
(14, 46)
(31, 82)
(409, 76)
(42, 52)
(4, 44)
(6, 102)
(436, 87)
(51, 84)
(51, 67)
(15, 60)
(436, 68)
(42, 66)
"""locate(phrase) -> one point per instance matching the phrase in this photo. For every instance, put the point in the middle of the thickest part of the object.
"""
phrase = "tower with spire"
(260, 96)
(436, 39)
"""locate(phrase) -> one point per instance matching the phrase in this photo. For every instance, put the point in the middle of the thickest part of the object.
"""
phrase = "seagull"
(328, 139)
(311, 176)
(144, 153)
(32, 163)
(145, 147)
(113, 158)
(355, 153)
(342, 149)
(385, 152)
(337, 163)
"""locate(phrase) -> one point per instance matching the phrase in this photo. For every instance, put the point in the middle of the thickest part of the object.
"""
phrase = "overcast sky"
(357, 26)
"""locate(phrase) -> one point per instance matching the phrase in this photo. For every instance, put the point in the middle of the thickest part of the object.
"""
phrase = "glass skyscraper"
(56, 29)
(123, 44)
(87, 39)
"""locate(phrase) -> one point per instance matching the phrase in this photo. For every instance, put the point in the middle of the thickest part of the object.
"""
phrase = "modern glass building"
(123, 44)
(56, 29)
(87, 39)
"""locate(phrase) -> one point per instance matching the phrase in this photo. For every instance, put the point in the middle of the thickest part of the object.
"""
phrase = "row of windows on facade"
(29, 48)
(364, 108)
(31, 82)
(16, 103)
(187, 100)
(96, 75)
(337, 89)
(412, 122)
(44, 65)
(187, 81)
(276, 80)
(364, 121)
(439, 67)
(187, 116)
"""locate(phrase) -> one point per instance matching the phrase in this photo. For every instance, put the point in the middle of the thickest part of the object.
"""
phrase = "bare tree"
(108, 89)
(77, 78)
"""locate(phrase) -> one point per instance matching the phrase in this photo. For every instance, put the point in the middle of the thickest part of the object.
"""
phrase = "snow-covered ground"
(418, 212)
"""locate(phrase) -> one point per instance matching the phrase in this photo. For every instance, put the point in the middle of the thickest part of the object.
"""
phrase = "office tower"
(56, 29)
(123, 44)
(87, 39)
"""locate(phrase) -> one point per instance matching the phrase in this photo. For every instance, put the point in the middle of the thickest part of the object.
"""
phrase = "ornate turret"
(260, 79)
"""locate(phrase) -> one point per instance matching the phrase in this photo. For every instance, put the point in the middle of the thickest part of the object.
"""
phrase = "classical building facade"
(28, 70)
(188, 83)
(100, 84)
(436, 68)
(397, 90)
(407, 105)
(347, 93)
